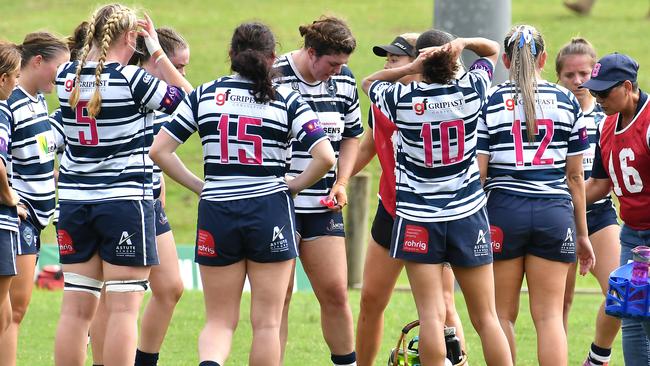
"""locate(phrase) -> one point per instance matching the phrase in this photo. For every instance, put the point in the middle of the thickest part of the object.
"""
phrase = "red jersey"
(384, 132)
(626, 158)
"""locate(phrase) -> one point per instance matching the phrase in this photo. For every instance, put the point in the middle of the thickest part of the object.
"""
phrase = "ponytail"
(523, 45)
(251, 48)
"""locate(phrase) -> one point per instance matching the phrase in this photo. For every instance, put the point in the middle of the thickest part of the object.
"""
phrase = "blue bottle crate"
(625, 299)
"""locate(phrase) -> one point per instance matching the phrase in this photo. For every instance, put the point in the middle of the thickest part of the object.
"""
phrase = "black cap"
(399, 46)
(611, 70)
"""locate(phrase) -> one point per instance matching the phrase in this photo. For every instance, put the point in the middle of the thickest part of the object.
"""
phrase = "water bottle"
(454, 352)
(641, 261)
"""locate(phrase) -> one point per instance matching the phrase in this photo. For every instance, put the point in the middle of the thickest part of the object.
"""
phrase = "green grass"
(305, 346)
(207, 25)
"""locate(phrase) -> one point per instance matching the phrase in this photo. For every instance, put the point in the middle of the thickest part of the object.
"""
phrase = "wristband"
(162, 55)
(153, 45)
(159, 52)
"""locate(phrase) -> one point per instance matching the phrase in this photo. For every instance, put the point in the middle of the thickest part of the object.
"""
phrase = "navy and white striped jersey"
(533, 169)
(8, 215)
(33, 143)
(158, 123)
(593, 117)
(437, 173)
(106, 158)
(245, 143)
(336, 102)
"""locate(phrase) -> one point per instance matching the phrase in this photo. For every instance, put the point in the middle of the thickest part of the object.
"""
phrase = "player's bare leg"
(508, 276)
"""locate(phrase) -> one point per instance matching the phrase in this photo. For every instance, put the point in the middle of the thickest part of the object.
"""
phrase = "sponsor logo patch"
(496, 234)
(416, 239)
(205, 244)
(64, 240)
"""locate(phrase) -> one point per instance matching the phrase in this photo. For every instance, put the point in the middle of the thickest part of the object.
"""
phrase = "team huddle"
(478, 181)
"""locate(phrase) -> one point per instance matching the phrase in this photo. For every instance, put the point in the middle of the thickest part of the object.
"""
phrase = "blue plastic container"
(624, 298)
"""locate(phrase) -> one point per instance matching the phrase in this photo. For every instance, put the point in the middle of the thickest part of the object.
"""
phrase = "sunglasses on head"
(605, 93)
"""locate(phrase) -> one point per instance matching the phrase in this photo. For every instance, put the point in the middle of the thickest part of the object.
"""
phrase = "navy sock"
(208, 363)
(345, 360)
(145, 359)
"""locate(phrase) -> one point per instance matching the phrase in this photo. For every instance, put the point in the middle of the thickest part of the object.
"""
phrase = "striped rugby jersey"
(245, 143)
(8, 215)
(437, 173)
(33, 144)
(336, 102)
(534, 169)
(593, 119)
(106, 158)
(161, 119)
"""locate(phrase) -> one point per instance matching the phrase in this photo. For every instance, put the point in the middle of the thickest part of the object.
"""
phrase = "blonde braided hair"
(113, 20)
(74, 96)
(523, 46)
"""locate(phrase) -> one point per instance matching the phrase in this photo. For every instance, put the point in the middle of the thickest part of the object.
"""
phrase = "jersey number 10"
(445, 142)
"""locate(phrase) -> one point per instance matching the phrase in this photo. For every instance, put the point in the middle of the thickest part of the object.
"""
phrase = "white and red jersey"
(625, 155)
(384, 132)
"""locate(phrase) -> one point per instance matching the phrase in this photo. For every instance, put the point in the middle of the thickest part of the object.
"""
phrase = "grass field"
(207, 25)
(305, 346)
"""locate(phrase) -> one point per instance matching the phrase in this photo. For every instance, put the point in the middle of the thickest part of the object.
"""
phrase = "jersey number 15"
(242, 136)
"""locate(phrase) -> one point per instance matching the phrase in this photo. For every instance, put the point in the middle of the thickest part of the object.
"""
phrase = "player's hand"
(585, 254)
(338, 195)
(22, 211)
(148, 31)
(292, 188)
(9, 198)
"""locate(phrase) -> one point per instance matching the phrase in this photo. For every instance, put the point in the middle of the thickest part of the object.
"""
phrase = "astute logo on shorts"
(497, 238)
(205, 244)
(278, 242)
(335, 226)
(125, 247)
(416, 239)
(65, 242)
(482, 248)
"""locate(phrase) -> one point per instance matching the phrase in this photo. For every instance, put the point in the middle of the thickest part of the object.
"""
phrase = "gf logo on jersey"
(416, 239)
(205, 244)
(497, 238)
(64, 240)
(69, 85)
(222, 98)
(420, 108)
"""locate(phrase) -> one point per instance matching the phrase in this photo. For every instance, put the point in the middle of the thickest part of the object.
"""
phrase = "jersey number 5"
(631, 176)
(445, 142)
(538, 159)
(242, 136)
(81, 112)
